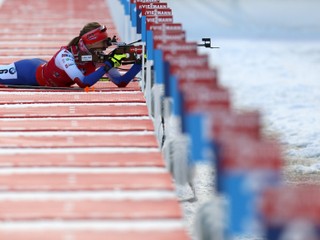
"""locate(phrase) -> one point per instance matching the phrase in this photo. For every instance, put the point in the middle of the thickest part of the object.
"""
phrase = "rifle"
(132, 50)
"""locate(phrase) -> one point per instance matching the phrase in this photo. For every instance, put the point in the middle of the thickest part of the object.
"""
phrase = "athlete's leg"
(22, 72)
(8, 73)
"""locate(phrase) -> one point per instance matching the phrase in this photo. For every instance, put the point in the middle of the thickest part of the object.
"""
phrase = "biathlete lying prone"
(67, 67)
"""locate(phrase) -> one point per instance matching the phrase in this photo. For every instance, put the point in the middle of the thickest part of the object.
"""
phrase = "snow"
(269, 58)
(280, 78)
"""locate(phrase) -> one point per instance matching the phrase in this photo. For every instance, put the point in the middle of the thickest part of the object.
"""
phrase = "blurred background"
(294, 19)
(269, 58)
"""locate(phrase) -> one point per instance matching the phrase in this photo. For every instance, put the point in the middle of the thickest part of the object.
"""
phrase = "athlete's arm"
(123, 80)
(65, 61)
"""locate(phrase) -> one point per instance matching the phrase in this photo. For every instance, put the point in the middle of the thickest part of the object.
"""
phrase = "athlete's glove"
(114, 60)
(117, 59)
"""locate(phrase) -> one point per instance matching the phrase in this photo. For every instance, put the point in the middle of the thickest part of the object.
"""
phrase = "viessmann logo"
(11, 70)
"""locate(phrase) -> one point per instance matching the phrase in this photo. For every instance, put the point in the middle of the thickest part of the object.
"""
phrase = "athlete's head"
(93, 37)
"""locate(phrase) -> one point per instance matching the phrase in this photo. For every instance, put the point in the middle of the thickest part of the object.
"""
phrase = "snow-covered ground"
(269, 58)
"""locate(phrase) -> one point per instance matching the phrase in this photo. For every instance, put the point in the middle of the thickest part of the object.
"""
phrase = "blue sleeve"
(123, 80)
(94, 77)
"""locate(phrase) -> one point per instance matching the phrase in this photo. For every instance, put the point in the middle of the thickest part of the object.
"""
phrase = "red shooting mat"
(83, 131)
(85, 181)
(82, 97)
(62, 234)
(88, 110)
(75, 124)
(101, 86)
(88, 209)
(62, 141)
(83, 159)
